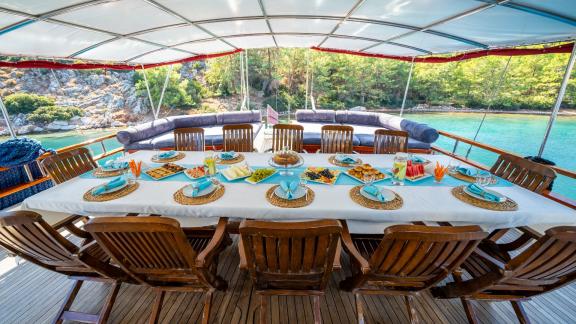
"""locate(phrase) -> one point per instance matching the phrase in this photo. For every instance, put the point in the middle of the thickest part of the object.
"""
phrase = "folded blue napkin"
(374, 192)
(471, 172)
(167, 155)
(199, 186)
(113, 164)
(417, 159)
(289, 188)
(345, 159)
(118, 182)
(475, 189)
(227, 155)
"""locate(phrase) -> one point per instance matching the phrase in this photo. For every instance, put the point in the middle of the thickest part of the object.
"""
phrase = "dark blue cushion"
(194, 120)
(318, 116)
(367, 140)
(238, 117)
(420, 132)
(144, 131)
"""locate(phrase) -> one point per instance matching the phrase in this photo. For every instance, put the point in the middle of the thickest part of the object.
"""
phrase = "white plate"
(157, 156)
(497, 194)
(111, 169)
(235, 155)
(425, 176)
(192, 178)
(233, 179)
(111, 190)
(300, 192)
(273, 164)
(386, 193)
(187, 191)
(255, 182)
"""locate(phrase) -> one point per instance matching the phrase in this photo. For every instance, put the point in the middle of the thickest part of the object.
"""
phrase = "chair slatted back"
(420, 256)
(67, 165)
(337, 138)
(286, 135)
(297, 255)
(549, 262)
(239, 138)
(390, 141)
(530, 175)
(189, 139)
(26, 234)
(150, 249)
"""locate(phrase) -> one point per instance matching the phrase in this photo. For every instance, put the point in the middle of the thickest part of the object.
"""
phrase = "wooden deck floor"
(30, 294)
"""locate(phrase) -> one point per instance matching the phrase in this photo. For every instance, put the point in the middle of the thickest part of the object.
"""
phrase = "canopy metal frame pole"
(148, 91)
(247, 80)
(559, 98)
(7, 119)
(168, 73)
(307, 79)
(242, 90)
(407, 86)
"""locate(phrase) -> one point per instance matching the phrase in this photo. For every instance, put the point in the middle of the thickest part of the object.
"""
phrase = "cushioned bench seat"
(364, 124)
(159, 134)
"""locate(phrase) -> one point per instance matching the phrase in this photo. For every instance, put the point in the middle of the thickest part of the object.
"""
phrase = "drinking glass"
(210, 163)
(399, 169)
(482, 178)
(369, 179)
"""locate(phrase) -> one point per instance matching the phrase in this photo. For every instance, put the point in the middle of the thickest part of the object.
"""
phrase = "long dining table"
(424, 200)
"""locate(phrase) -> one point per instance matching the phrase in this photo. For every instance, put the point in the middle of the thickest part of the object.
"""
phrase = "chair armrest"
(490, 258)
(68, 224)
(212, 248)
(528, 234)
(66, 221)
(349, 247)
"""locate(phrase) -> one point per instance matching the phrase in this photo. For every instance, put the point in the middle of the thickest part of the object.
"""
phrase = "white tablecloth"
(243, 200)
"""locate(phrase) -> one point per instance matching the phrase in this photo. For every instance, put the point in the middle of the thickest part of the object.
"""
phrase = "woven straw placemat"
(180, 198)
(100, 173)
(357, 197)
(462, 177)
(508, 205)
(285, 203)
(332, 159)
(239, 158)
(177, 157)
(88, 196)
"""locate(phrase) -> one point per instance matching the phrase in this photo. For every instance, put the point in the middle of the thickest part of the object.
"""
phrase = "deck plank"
(31, 294)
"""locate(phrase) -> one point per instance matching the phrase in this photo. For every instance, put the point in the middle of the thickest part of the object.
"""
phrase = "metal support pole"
(148, 91)
(407, 86)
(7, 119)
(307, 79)
(247, 82)
(242, 87)
(559, 99)
(169, 72)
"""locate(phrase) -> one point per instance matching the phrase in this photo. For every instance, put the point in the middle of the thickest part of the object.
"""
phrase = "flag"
(271, 115)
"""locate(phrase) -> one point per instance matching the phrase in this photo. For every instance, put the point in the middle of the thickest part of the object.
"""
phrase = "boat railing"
(464, 158)
(33, 182)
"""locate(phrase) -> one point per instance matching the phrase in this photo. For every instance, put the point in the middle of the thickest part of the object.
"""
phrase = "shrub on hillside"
(26, 103)
(48, 114)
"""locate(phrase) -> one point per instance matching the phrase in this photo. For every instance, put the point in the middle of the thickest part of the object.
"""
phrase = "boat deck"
(30, 294)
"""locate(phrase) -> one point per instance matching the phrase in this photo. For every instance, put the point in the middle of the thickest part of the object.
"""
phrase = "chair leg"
(155, 316)
(469, 310)
(520, 312)
(317, 314)
(263, 307)
(109, 303)
(72, 293)
(359, 310)
(207, 306)
(412, 315)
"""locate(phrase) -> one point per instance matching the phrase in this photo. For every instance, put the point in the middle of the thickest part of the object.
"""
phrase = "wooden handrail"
(559, 170)
(81, 144)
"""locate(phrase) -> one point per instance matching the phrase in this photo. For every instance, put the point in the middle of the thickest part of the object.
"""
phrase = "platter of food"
(361, 171)
(416, 172)
(321, 175)
(237, 171)
(196, 173)
(286, 159)
(260, 175)
(164, 171)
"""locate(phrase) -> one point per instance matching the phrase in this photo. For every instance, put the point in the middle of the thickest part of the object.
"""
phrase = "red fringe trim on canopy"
(41, 64)
(565, 48)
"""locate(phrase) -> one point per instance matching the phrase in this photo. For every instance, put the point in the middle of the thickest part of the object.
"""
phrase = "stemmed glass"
(303, 183)
(369, 179)
(482, 178)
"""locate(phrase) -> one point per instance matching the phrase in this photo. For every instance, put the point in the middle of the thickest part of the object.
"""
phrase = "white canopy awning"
(155, 31)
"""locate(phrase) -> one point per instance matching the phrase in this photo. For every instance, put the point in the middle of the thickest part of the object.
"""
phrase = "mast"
(407, 86)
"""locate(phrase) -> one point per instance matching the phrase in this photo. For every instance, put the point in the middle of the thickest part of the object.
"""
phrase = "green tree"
(26, 102)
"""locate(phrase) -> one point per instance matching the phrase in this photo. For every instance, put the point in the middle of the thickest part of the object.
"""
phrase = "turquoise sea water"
(521, 134)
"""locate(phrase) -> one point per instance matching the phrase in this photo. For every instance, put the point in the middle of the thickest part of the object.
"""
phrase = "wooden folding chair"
(155, 252)
(390, 141)
(547, 264)
(239, 138)
(26, 235)
(67, 165)
(287, 135)
(292, 259)
(337, 139)
(407, 260)
(189, 139)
